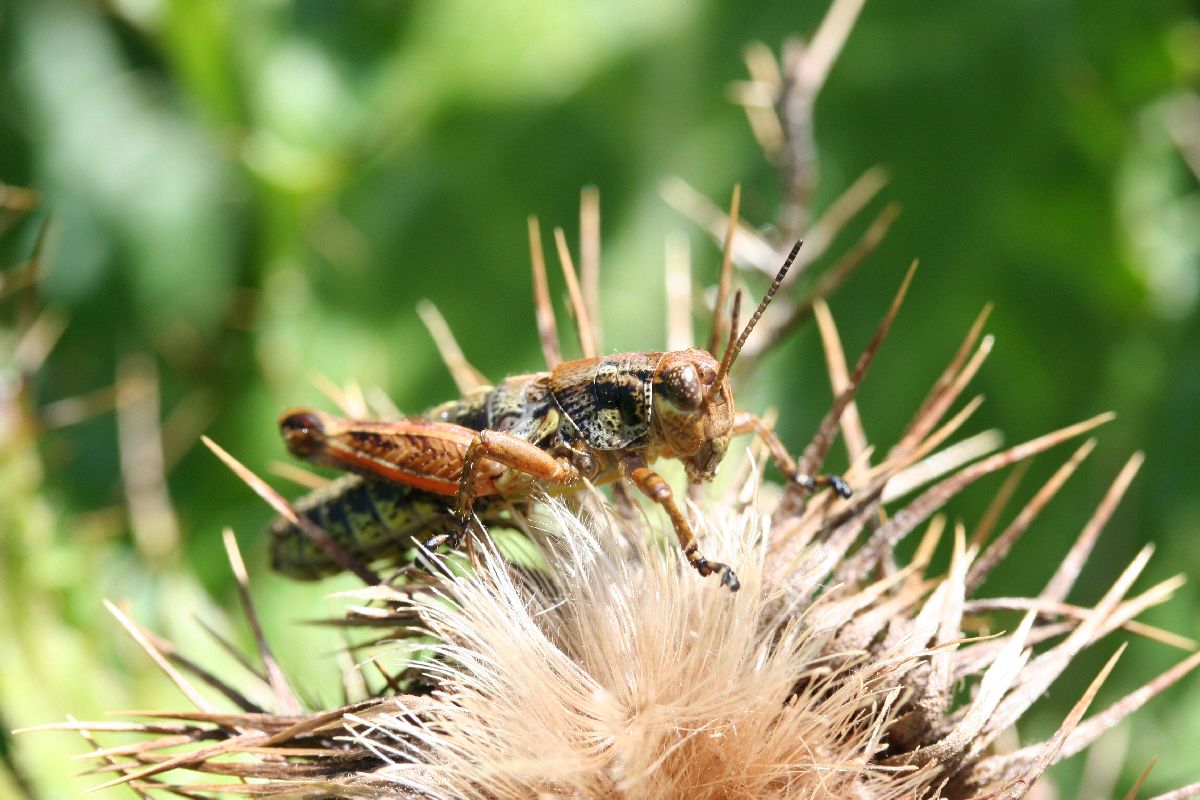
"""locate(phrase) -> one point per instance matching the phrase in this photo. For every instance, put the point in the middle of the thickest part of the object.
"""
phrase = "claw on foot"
(434, 542)
(728, 578)
(810, 483)
(453, 537)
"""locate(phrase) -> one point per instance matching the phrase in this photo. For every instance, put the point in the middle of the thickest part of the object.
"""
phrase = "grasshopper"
(594, 420)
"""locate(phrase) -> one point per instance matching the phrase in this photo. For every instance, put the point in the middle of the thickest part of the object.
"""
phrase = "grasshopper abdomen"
(372, 520)
(369, 519)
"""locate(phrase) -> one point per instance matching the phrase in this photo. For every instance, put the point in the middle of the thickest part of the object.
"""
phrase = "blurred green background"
(239, 196)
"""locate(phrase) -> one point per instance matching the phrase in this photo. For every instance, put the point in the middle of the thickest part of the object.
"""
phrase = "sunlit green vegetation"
(237, 197)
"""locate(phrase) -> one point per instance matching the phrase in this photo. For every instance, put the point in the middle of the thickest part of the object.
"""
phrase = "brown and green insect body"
(596, 419)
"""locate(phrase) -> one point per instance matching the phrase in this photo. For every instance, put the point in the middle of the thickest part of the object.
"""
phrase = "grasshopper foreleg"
(654, 486)
(749, 423)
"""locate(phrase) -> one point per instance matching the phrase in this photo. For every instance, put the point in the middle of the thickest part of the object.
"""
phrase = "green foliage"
(254, 193)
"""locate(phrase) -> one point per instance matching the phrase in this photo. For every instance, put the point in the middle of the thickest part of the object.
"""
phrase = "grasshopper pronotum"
(597, 419)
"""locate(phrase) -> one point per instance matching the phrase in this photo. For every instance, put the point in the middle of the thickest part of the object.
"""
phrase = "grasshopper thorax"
(608, 399)
(662, 403)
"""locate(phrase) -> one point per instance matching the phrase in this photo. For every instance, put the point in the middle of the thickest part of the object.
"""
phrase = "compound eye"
(683, 388)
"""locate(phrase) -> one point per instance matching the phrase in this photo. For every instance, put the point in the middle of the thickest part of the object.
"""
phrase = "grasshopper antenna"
(735, 313)
(732, 350)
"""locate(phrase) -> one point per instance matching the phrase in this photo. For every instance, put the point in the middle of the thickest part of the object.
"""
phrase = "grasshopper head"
(693, 409)
(693, 401)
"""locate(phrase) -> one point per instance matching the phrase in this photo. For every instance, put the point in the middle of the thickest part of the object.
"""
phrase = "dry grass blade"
(991, 515)
(827, 44)
(1000, 548)
(827, 283)
(925, 550)
(349, 399)
(196, 759)
(284, 509)
(226, 689)
(934, 498)
(943, 462)
(135, 748)
(1182, 793)
(814, 454)
(680, 334)
(466, 377)
(848, 206)
(298, 475)
(381, 405)
(1161, 636)
(589, 257)
(758, 97)
(935, 439)
(38, 341)
(1137, 785)
(543, 308)
(941, 395)
(1049, 752)
(725, 281)
(1006, 767)
(583, 322)
(73, 410)
(139, 438)
(1094, 727)
(1122, 618)
(1045, 668)
(112, 727)
(136, 788)
(189, 691)
(750, 248)
(285, 698)
(835, 363)
(1072, 564)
